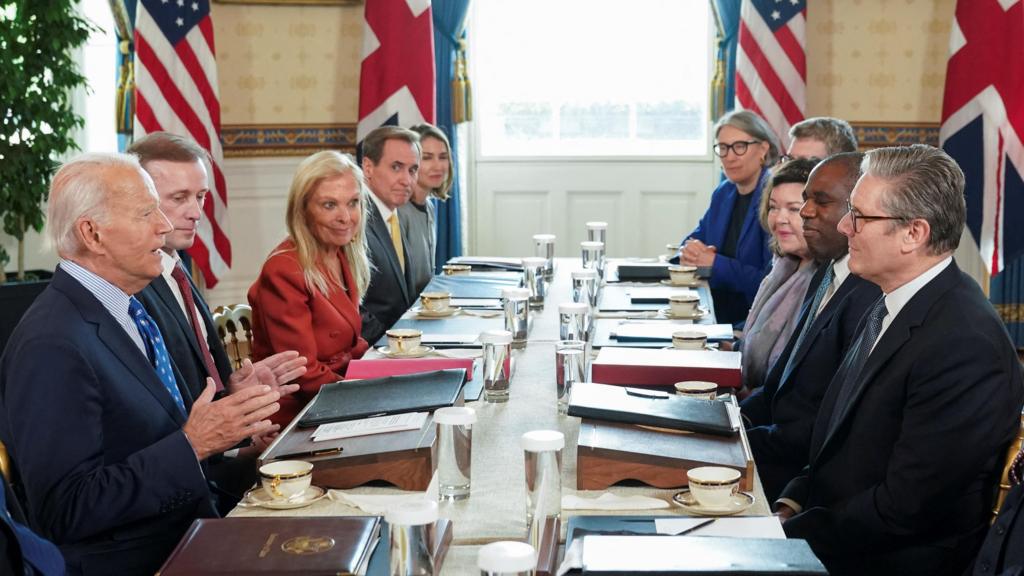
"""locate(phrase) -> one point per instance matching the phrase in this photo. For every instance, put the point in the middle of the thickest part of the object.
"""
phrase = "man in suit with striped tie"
(391, 161)
(108, 448)
(910, 438)
(177, 166)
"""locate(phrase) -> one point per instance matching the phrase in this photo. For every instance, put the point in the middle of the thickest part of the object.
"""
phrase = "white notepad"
(367, 426)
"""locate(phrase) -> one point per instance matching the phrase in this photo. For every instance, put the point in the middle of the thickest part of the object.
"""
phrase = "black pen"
(314, 453)
(696, 526)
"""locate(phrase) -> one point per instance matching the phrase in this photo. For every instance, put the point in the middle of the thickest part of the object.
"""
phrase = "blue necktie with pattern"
(156, 351)
(858, 357)
(812, 314)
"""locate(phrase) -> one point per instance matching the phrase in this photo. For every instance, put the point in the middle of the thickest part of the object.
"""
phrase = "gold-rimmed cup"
(689, 340)
(456, 269)
(684, 304)
(403, 340)
(697, 389)
(437, 302)
(682, 274)
(286, 479)
(713, 486)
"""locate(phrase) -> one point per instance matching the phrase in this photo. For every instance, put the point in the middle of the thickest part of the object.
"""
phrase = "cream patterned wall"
(878, 61)
(288, 65)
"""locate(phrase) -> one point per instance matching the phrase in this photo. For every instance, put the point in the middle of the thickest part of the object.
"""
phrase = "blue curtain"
(1006, 291)
(728, 12)
(449, 26)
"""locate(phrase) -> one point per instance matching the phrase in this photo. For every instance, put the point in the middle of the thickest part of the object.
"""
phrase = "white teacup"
(436, 301)
(713, 486)
(286, 479)
(684, 304)
(697, 389)
(689, 340)
(456, 269)
(682, 274)
(403, 340)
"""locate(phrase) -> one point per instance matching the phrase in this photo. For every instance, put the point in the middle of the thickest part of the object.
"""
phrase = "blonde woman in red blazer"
(307, 296)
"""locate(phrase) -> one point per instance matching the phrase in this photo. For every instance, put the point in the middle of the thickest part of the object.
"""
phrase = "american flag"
(396, 82)
(176, 91)
(771, 65)
(983, 121)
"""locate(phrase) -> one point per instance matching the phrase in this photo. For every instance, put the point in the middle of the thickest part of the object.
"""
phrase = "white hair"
(80, 189)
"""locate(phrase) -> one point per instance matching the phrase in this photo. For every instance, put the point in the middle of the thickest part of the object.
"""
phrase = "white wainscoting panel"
(646, 204)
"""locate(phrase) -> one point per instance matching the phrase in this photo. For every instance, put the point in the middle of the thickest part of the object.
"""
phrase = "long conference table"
(496, 508)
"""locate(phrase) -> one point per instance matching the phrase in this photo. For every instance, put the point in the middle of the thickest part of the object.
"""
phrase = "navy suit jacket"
(903, 483)
(97, 442)
(176, 329)
(391, 291)
(742, 273)
(782, 413)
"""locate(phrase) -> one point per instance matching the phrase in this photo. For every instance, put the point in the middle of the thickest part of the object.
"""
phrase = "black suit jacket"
(178, 337)
(391, 291)
(97, 442)
(903, 483)
(782, 413)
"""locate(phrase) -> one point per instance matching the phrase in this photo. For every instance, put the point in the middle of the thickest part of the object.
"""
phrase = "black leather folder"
(352, 400)
(474, 285)
(643, 406)
(643, 272)
(697, 556)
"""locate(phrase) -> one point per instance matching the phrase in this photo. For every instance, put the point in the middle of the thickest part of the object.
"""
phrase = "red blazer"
(286, 315)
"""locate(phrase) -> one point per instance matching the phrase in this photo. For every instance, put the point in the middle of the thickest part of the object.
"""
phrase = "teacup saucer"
(739, 502)
(259, 497)
(418, 352)
(700, 313)
(691, 284)
(447, 312)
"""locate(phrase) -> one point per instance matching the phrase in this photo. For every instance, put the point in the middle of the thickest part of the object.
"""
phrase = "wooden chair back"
(234, 327)
(5, 463)
(1004, 480)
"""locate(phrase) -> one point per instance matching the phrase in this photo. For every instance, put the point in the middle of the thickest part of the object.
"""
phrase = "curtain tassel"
(462, 89)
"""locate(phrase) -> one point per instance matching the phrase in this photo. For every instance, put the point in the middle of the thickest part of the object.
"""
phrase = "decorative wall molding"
(880, 134)
(241, 140)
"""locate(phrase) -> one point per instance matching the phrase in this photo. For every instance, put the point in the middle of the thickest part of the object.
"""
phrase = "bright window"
(592, 77)
(99, 66)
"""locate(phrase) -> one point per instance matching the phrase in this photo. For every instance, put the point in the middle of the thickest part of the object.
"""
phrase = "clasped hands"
(696, 253)
(214, 426)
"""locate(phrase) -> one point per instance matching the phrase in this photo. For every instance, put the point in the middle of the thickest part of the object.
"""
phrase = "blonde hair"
(311, 172)
(430, 131)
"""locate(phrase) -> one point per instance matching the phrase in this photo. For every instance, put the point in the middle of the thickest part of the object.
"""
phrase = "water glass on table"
(515, 302)
(570, 368)
(542, 452)
(497, 353)
(454, 450)
(544, 247)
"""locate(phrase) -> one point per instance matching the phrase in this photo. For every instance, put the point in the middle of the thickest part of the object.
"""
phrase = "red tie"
(186, 294)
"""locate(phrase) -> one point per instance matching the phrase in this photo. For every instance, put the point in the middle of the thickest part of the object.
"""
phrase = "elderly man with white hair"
(107, 446)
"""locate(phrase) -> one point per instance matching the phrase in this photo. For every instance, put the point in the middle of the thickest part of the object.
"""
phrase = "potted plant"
(38, 75)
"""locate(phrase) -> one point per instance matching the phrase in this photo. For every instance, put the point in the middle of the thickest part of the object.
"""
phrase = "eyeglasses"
(738, 148)
(864, 219)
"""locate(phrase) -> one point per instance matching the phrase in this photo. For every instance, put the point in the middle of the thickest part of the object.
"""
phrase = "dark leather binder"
(698, 556)
(275, 545)
(642, 272)
(634, 406)
(351, 400)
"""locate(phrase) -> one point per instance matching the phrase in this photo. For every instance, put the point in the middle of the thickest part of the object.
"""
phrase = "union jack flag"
(983, 120)
(396, 82)
(771, 64)
(176, 91)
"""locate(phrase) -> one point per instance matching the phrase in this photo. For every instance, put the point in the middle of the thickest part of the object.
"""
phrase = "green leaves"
(38, 75)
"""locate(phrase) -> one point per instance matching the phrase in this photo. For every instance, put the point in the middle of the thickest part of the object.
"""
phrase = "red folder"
(397, 367)
(646, 367)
